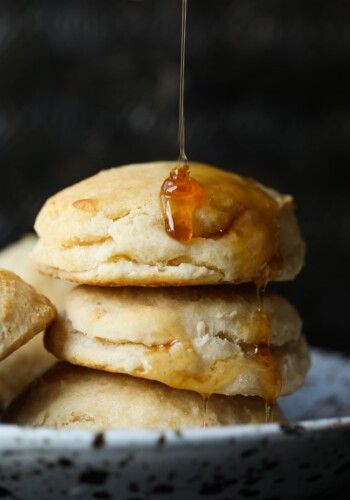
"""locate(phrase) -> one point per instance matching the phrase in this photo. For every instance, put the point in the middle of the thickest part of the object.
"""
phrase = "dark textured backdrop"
(89, 84)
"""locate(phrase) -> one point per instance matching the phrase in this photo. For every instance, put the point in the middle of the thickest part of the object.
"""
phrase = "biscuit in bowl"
(108, 230)
(22, 367)
(69, 396)
(204, 339)
(31, 359)
(23, 312)
(15, 258)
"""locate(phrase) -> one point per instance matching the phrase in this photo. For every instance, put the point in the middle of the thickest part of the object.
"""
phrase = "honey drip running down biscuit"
(270, 376)
(272, 381)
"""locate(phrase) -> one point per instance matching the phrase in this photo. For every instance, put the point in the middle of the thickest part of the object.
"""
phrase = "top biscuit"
(23, 312)
(109, 230)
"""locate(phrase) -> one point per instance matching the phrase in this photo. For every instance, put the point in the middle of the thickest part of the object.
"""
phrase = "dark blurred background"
(87, 84)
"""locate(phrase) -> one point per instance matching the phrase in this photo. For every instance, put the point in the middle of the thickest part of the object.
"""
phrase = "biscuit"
(23, 312)
(31, 359)
(15, 258)
(73, 397)
(108, 230)
(197, 338)
(22, 367)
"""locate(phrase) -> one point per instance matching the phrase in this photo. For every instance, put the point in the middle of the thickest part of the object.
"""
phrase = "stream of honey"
(182, 154)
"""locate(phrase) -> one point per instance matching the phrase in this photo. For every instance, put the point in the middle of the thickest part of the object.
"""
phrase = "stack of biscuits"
(163, 333)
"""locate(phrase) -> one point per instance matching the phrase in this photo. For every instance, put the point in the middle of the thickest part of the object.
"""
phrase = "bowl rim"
(15, 438)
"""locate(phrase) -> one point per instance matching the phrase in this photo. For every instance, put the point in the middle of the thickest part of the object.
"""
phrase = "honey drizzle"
(271, 378)
(205, 411)
(260, 291)
(182, 155)
(269, 412)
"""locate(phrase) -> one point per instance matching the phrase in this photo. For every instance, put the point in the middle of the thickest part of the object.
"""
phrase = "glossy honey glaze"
(180, 196)
(183, 366)
(199, 201)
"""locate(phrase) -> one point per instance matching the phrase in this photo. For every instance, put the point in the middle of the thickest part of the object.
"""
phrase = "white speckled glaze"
(304, 460)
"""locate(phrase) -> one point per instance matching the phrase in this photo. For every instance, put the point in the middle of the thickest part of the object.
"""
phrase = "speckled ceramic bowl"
(308, 459)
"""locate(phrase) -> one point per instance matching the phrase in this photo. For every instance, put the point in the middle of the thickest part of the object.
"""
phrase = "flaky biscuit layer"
(160, 316)
(235, 372)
